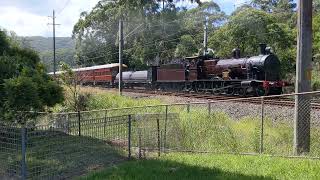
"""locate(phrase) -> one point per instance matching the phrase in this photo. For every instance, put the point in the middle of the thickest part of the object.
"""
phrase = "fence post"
(79, 123)
(23, 153)
(139, 143)
(209, 108)
(105, 123)
(165, 129)
(68, 124)
(158, 134)
(188, 107)
(262, 125)
(129, 136)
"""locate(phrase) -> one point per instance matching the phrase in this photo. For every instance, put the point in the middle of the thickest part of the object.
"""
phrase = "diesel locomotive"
(245, 76)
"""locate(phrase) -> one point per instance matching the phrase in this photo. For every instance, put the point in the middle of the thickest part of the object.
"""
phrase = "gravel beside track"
(236, 109)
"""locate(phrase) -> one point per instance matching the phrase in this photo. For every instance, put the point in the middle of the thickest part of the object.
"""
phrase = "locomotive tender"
(250, 76)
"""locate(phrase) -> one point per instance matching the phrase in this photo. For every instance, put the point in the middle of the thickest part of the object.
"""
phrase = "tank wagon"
(248, 76)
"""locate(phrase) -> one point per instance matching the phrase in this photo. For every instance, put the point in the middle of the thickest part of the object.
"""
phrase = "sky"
(30, 17)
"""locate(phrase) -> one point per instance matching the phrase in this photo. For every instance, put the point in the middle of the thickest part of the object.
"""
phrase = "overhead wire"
(134, 31)
(65, 5)
(143, 46)
(180, 31)
(170, 40)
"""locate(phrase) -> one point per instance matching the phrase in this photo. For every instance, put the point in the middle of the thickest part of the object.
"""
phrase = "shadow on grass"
(56, 155)
(166, 169)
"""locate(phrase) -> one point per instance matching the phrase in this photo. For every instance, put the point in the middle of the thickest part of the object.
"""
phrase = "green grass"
(218, 132)
(207, 166)
(56, 155)
(113, 100)
(198, 131)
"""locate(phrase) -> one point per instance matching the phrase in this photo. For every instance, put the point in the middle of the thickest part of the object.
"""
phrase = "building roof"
(105, 66)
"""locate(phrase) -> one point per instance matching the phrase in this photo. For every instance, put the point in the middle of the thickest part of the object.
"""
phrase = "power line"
(167, 23)
(129, 34)
(145, 45)
(159, 40)
(170, 40)
(65, 5)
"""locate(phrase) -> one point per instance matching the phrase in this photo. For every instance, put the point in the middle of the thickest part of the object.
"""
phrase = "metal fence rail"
(58, 146)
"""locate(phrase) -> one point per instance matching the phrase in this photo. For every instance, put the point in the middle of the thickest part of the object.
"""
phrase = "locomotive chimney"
(236, 53)
(263, 47)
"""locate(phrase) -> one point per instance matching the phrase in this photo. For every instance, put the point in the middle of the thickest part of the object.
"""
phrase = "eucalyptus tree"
(249, 27)
(96, 33)
(151, 32)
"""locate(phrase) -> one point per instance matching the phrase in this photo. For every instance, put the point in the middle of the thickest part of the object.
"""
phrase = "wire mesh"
(278, 126)
(10, 151)
(64, 145)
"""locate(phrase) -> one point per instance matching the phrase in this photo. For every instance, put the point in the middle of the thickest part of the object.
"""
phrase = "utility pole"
(120, 54)
(163, 30)
(205, 37)
(303, 78)
(54, 42)
(163, 5)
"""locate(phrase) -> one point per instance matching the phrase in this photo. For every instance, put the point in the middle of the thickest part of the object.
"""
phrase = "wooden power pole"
(205, 36)
(303, 78)
(54, 41)
(120, 54)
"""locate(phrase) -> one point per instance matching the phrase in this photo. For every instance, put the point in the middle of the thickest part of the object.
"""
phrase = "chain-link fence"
(58, 146)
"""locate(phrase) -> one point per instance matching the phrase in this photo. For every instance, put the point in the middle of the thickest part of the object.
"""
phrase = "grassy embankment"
(194, 131)
(197, 131)
(205, 166)
(217, 133)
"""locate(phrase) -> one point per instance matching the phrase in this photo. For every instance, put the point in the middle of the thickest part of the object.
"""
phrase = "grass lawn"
(208, 166)
(55, 155)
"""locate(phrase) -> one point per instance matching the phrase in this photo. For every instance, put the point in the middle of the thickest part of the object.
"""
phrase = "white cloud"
(22, 22)
(29, 18)
(32, 20)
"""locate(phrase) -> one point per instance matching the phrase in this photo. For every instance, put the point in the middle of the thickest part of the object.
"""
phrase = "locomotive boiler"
(264, 67)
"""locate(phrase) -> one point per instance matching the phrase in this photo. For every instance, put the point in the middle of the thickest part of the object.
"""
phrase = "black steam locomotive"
(250, 76)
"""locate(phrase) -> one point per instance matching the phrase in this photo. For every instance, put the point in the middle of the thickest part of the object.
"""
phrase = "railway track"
(279, 101)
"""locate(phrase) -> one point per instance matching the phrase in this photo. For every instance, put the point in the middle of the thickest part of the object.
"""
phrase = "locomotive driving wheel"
(260, 91)
(243, 92)
(200, 87)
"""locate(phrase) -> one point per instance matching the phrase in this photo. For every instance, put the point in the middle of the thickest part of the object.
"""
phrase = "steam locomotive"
(249, 76)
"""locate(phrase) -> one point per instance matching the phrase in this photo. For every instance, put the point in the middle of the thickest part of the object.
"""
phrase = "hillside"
(44, 45)
(41, 44)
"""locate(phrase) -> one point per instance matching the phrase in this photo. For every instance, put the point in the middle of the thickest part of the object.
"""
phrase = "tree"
(62, 55)
(24, 84)
(76, 100)
(316, 6)
(246, 29)
(283, 10)
(186, 47)
(152, 34)
(275, 6)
